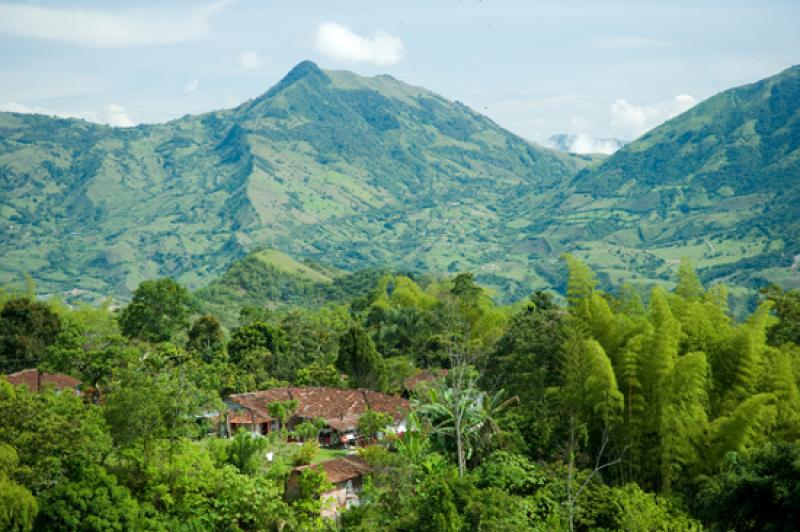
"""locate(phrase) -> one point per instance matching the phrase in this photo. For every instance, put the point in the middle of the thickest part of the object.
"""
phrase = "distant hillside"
(271, 279)
(719, 184)
(355, 171)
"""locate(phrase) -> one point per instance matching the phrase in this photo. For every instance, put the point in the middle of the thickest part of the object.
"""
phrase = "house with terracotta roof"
(347, 476)
(340, 410)
(36, 381)
(422, 378)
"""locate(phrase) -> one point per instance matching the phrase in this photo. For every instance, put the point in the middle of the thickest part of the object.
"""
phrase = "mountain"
(582, 143)
(719, 184)
(354, 173)
(350, 171)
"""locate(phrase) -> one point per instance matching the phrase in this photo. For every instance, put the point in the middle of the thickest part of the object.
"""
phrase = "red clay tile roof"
(344, 424)
(335, 405)
(430, 375)
(326, 403)
(257, 402)
(60, 381)
(35, 380)
(341, 469)
(28, 377)
(394, 405)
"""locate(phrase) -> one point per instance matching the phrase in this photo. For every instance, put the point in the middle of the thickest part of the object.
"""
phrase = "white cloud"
(633, 120)
(249, 59)
(106, 29)
(341, 43)
(628, 41)
(16, 107)
(583, 143)
(115, 115)
(192, 86)
(112, 114)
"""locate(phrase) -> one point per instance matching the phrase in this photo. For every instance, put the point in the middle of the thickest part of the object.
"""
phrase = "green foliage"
(527, 363)
(257, 348)
(745, 427)
(590, 383)
(319, 374)
(689, 286)
(27, 329)
(511, 473)
(93, 502)
(245, 451)
(207, 339)
(143, 409)
(437, 506)
(359, 359)
(373, 422)
(671, 390)
(282, 410)
(685, 418)
(18, 507)
(305, 453)
(787, 308)
(54, 435)
(306, 501)
(246, 503)
(159, 310)
(756, 492)
(547, 416)
(634, 509)
(309, 430)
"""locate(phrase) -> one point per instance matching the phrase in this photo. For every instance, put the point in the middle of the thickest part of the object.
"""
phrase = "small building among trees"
(335, 412)
(37, 381)
(346, 478)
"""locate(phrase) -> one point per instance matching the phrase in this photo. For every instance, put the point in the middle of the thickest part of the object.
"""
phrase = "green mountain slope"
(272, 279)
(719, 184)
(354, 172)
(351, 171)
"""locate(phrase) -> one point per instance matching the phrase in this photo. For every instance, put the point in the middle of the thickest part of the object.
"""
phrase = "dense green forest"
(609, 410)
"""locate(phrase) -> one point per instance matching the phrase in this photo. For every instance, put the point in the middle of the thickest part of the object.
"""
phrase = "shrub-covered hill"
(271, 279)
(328, 165)
(719, 184)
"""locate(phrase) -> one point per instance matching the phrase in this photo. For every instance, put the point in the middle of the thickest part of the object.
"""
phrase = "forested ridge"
(591, 410)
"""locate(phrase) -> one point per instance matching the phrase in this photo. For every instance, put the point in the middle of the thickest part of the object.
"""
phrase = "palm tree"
(458, 412)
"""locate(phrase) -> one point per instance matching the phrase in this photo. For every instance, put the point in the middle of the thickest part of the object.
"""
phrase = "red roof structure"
(340, 408)
(36, 381)
(427, 376)
(341, 469)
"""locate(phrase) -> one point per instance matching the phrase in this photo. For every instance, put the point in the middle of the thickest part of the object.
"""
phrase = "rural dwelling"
(36, 381)
(423, 378)
(347, 476)
(340, 410)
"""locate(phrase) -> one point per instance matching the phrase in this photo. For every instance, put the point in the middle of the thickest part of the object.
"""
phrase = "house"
(339, 409)
(36, 381)
(347, 476)
(421, 379)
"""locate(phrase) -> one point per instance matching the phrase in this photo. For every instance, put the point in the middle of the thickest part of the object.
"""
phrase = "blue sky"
(605, 69)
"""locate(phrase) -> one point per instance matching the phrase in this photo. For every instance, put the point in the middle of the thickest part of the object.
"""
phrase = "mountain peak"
(306, 69)
(302, 69)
